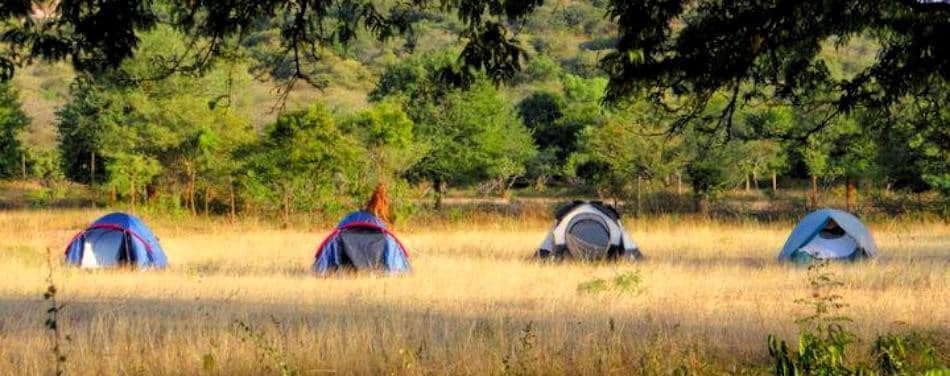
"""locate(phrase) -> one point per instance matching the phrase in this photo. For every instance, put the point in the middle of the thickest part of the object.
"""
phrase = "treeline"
(194, 140)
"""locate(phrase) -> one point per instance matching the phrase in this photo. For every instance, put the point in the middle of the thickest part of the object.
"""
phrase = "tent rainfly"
(361, 241)
(117, 239)
(828, 234)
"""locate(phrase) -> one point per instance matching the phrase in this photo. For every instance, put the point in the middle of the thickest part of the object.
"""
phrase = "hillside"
(193, 140)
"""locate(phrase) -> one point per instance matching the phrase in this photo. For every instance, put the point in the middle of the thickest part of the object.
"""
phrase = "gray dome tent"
(588, 231)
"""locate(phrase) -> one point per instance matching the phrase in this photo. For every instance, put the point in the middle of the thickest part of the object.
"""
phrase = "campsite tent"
(117, 239)
(810, 240)
(361, 242)
(588, 230)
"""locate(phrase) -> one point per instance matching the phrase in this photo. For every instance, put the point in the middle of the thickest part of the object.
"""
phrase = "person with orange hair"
(362, 241)
(378, 204)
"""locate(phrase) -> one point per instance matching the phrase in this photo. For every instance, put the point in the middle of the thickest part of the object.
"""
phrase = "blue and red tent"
(361, 241)
(116, 239)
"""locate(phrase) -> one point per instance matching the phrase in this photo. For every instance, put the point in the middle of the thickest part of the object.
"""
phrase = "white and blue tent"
(810, 240)
(116, 239)
(361, 241)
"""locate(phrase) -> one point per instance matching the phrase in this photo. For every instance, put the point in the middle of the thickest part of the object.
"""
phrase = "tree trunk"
(850, 195)
(286, 209)
(151, 193)
(639, 179)
(132, 192)
(774, 183)
(192, 188)
(113, 195)
(814, 191)
(207, 199)
(232, 213)
(503, 189)
(438, 186)
(92, 177)
(747, 184)
(679, 183)
(755, 180)
(92, 170)
(701, 206)
(23, 164)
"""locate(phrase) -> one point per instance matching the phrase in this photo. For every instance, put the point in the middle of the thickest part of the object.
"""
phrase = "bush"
(824, 340)
(622, 283)
(908, 353)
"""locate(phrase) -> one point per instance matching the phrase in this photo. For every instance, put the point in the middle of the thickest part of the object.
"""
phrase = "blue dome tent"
(361, 242)
(116, 239)
(812, 240)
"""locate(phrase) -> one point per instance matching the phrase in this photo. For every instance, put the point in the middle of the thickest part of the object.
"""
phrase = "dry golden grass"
(475, 304)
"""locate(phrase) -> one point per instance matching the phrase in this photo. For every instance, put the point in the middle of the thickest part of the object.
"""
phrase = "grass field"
(475, 304)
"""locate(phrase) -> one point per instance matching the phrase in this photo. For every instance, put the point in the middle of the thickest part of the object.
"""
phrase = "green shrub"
(908, 353)
(824, 340)
(622, 283)
(39, 198)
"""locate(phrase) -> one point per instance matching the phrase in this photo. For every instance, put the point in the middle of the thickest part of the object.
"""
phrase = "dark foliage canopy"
(99, 34)
(755, 49)
(680, 53)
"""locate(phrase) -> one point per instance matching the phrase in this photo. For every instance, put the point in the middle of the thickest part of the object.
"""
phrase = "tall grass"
(706, 299)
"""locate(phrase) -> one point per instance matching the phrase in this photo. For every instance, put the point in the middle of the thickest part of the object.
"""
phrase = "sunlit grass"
(710, 294)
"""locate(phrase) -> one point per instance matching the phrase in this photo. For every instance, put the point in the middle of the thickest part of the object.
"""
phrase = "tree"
(583, 110)
(100, 35)
(912, 141)
(853, 156)
(670, 48)
(765, 154)
(111, 118)
(542, 112)
(815, 155)
(710, 172)
(628, 153)
(683, 53)
(468, 135)
(210, 150)
(303, 161)
(13, 121)
(131, 172)
(81, 133)
(476, 136)
(386, 133)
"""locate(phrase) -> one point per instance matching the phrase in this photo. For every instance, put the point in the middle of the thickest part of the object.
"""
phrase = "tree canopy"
(683, 53)
(668, 48)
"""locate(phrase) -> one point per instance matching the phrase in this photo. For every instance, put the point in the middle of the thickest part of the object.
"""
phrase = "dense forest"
(254, 131)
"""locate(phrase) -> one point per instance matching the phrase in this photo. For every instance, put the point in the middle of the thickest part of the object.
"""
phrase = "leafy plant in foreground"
(909, 353)
(824, 339)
